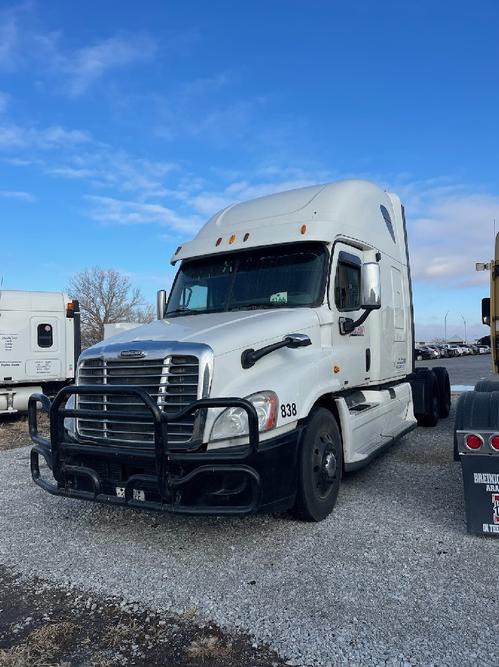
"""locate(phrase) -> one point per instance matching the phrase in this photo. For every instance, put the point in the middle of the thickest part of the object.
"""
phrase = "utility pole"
(465, 334)
(445, 326)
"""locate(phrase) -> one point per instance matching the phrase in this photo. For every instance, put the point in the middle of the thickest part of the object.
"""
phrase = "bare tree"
(106, 296)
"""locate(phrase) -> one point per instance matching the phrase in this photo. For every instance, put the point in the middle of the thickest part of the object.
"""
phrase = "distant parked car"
(436, 351)
(483, 349)
(454, 351)
(422, 353)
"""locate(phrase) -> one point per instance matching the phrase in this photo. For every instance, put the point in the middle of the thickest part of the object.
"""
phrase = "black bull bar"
(175, 480)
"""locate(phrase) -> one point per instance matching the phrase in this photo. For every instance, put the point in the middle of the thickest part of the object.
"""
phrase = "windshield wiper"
(188, 311)
(253, 306)
(180, 311)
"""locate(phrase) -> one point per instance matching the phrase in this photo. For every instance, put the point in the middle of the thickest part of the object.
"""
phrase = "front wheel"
(320, 466)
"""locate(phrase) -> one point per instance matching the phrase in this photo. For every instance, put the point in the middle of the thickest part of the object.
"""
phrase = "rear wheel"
(444, 393)
(428, 412)
(320, 467)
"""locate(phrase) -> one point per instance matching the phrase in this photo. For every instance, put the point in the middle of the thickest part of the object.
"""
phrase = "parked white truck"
(39, 345)
(282, 357)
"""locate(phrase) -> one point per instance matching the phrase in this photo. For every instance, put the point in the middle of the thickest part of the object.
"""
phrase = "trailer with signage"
(39, 345)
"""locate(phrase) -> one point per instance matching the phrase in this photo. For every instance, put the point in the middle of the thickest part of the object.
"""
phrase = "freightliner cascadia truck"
(476, 434)
(282, 358)
(39, 345)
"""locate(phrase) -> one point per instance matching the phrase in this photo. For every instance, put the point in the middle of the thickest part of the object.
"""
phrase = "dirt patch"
(43, 626)
(14, 430)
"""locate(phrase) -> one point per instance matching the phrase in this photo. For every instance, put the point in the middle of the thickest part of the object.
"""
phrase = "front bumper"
(238, 480)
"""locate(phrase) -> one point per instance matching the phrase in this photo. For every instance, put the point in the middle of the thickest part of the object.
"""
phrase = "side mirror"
(295, 340)
(371, 286)
(486, 311)
(161, 304)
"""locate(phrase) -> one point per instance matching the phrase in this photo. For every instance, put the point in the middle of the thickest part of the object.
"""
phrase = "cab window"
(347, 282)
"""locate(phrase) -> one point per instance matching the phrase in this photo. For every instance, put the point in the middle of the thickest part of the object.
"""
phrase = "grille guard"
(163, 483)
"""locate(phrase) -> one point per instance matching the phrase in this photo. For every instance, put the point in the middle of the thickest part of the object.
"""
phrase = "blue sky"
(123, 126)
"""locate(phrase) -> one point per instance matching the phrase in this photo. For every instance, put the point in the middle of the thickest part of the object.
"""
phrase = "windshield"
(273, 277)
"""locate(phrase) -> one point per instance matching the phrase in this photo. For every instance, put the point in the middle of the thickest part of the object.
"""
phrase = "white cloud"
(121, 212)
(455, 232)
(11, 136)
(74, 154)
(17, 194)
(22, 46)
(103, 166)
(88, 64)
(54, 137)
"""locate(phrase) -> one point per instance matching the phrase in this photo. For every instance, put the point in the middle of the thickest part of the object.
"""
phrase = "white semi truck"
(39, 345)
(283, 357)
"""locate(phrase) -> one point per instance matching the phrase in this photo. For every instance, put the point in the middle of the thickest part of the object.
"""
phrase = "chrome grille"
(172, 382)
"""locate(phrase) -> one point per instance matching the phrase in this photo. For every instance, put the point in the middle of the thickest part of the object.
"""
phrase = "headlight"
(233, 422)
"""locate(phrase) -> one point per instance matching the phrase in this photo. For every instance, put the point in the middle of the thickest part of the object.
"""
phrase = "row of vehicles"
(426, 352)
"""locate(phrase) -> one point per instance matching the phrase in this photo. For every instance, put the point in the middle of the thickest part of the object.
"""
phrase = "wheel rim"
(324, 465)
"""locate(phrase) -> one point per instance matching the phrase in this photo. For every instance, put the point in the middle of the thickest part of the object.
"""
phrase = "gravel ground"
(390, 578)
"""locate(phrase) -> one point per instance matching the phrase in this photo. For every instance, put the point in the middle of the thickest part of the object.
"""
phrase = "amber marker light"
(303, 229)
(232, 239)
(336, 370)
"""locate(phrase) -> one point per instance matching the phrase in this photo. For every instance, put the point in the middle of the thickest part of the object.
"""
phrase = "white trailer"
(39, 345)
(283, 357)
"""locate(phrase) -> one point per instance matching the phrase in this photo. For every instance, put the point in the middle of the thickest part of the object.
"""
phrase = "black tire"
(320, 467)
(431, 407)
(444, 394)
(487, 385)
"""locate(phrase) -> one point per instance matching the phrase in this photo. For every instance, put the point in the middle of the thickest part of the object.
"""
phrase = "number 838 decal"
(288, 410)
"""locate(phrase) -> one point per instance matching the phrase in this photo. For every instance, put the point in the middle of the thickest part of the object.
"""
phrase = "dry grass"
(125, 630)
(14, 430)
(40, 647)
(206, 649)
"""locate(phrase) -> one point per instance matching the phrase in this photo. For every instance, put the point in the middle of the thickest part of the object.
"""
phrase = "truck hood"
(223, 332)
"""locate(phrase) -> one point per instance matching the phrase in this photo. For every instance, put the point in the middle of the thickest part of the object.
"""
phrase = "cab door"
(351, 351)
